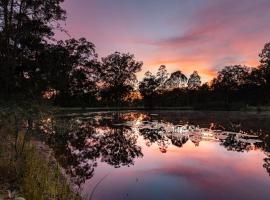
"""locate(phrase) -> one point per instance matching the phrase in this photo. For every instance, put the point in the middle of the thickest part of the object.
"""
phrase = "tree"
(148, 87)
(265, 55)
(162, 76)
(231, 77)
(194, 82)
(84, 70)
(118, 75)
(69, 68)
(265, 64)
(229, 81)
(176, 80)
(25, 28)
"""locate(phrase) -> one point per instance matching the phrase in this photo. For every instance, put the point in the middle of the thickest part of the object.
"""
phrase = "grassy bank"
(32, 173)
(43, 179)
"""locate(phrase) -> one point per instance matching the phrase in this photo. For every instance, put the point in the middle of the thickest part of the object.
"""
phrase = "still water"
(165, 155)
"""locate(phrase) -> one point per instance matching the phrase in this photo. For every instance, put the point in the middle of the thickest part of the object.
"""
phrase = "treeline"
(36, 67)
(235, 87)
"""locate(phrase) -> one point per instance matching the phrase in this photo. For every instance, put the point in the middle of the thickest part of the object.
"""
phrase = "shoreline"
(248, 109)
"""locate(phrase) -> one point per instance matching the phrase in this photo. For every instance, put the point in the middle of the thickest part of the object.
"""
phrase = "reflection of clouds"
(210, 180)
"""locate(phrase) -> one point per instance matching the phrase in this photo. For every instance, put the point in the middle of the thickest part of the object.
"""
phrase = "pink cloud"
(223, 33)
(205, 38)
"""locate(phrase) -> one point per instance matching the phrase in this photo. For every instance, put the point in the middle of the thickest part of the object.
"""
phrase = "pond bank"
(34, 174)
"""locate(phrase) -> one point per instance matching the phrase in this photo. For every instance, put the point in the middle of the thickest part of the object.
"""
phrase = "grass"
(36, 176)
(43, 179)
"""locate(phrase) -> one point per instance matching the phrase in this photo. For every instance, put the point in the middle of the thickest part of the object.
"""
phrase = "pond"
(164, 155)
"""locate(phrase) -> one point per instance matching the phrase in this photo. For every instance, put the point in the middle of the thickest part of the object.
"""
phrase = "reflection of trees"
(266, 164)
(161, 138)
(68, 141)
(78, 145)
(118, 147)
(266, 148)
(232, 144)
(155, 136)
(178, 141)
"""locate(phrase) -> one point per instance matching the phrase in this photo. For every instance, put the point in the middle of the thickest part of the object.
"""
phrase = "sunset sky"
(186, 35)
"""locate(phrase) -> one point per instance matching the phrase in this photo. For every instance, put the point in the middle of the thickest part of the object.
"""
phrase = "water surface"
(165, 155)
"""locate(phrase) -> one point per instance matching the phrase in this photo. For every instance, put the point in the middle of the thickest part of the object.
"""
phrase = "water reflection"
(82, 143)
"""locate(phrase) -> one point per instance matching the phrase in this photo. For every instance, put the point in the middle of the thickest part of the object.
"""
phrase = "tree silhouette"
(162, 76)
(118, 75)
(83, 75)
(148, 87)
(265, 66)
(229, 80)
(26, 27)
(231, 77)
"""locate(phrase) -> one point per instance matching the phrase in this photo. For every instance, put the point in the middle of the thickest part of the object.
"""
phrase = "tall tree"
(25, 27)
(162, 76)
(148, 87)
(194, 81)
(265, 64)
(84, 71)
(118, 75)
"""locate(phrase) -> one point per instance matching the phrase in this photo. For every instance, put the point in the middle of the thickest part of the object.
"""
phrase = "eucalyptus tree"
(265, 64)
(162, 76)
(194, 81)
(176, 80)
(118, 76)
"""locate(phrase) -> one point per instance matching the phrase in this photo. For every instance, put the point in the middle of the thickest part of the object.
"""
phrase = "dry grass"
(43, 180)
(32, 172)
